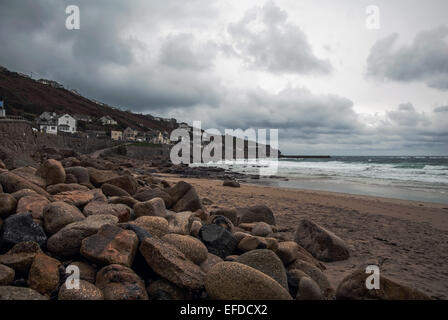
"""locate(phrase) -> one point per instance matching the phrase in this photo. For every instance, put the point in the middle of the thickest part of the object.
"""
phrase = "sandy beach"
(408, 239)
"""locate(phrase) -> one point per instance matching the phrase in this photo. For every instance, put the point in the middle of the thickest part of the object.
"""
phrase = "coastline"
(408, 239)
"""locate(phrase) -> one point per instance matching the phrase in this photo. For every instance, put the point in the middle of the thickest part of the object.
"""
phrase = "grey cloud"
(279, 46)
(441, 109)
(426, 59)
(182, 52)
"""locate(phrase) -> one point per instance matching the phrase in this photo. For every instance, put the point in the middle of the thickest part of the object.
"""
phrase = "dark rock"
(126, 182)
(230, 214)
(121, 211)
(81, 174)
(98, 177)
(64, 187)
(12, 183)
(19, 228)
(165, 290)
(231, 183)
(153, 207)
(44, 274)
(21, 256)
(33, 204)
(149, 194)
(6, 275)
(218, 240)
(86, 291)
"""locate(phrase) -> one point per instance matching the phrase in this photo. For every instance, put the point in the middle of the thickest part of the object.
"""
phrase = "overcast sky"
(309, 68)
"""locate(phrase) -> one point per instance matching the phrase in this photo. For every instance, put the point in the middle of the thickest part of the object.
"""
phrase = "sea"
(422, 178)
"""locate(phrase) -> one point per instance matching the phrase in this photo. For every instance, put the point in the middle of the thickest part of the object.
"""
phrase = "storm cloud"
(238, 65)
(425, 59)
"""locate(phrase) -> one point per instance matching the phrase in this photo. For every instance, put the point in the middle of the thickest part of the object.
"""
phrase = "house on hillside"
(107, 120)
(83, 117)
(116, 135)
(2, 109)
(52, 123)
(51, 83)
(129, 134)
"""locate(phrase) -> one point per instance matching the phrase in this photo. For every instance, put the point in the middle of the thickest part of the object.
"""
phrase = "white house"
(107, 120)
(52, 123)
(66, 123)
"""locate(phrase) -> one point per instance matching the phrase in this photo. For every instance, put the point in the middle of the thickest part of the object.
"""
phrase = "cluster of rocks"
(132, 236)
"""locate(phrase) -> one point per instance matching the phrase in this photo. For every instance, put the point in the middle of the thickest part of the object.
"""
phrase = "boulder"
(321, 243)
(57, 215)
(140, 232)
(230, 214)
(121, 211)
(19, 293)
(156, 226)
(44, 274)
(208, 263)
(353, 287)
(86, 291)
(148, 194)
(178, 191)
(236, 281)
(21, 256)
(317, 275)
(77, 198)
(259, 213)
(98, 177)
(64, 187)
(8, 205)
(231, 183)
(6, 275)
(165, 290)
(221, 221)
(110, 245)
(19, 228)
(289, 251)
(129, 201)
(29, 174)
(191, 247)
(170, 263)
(86, 271)
(266, 261)
(195, 227)
(179, 222)
(218, 240)
(33, 204)
(118, 282)
(189, 202)
(153, 207)
(113, 191)
(81, 174)
(12, 183)
(262, 229)
(52, 171)
(2, 165)
(126, 182)
(308, 289)
(23, 193)
(67, 241)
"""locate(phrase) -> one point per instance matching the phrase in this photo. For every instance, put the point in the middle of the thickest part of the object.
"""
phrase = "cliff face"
(29, 98)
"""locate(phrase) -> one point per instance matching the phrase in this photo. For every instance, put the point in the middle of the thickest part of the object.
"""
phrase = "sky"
(311, 69)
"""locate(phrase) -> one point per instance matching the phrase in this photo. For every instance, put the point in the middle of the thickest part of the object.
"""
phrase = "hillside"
(29, 98)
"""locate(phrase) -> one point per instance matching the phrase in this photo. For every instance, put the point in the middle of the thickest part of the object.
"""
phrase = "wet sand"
(408, 239)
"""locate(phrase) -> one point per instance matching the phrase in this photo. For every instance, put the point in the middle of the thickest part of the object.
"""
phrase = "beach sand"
(408, 239)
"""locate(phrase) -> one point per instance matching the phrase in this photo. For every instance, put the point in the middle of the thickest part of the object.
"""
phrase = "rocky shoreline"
(133, 235)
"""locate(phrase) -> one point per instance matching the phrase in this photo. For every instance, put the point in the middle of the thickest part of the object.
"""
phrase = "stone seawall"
(19, 141)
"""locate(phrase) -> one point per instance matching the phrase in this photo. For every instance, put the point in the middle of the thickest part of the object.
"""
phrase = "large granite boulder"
(321, 243)
(21, 256)
(191, 247)
(44, 274)
(110, 245)
(68, 240)
(118, 282)
(236, 281)
(52, 171)
(267, 262)
(121, 211)
(86, 291)
(153, 207)
(8, 205)
(125, 182)
(57, 215)
(353, 287)
(12, 183)
(170, 263)
(20, 293)
(259, 213)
